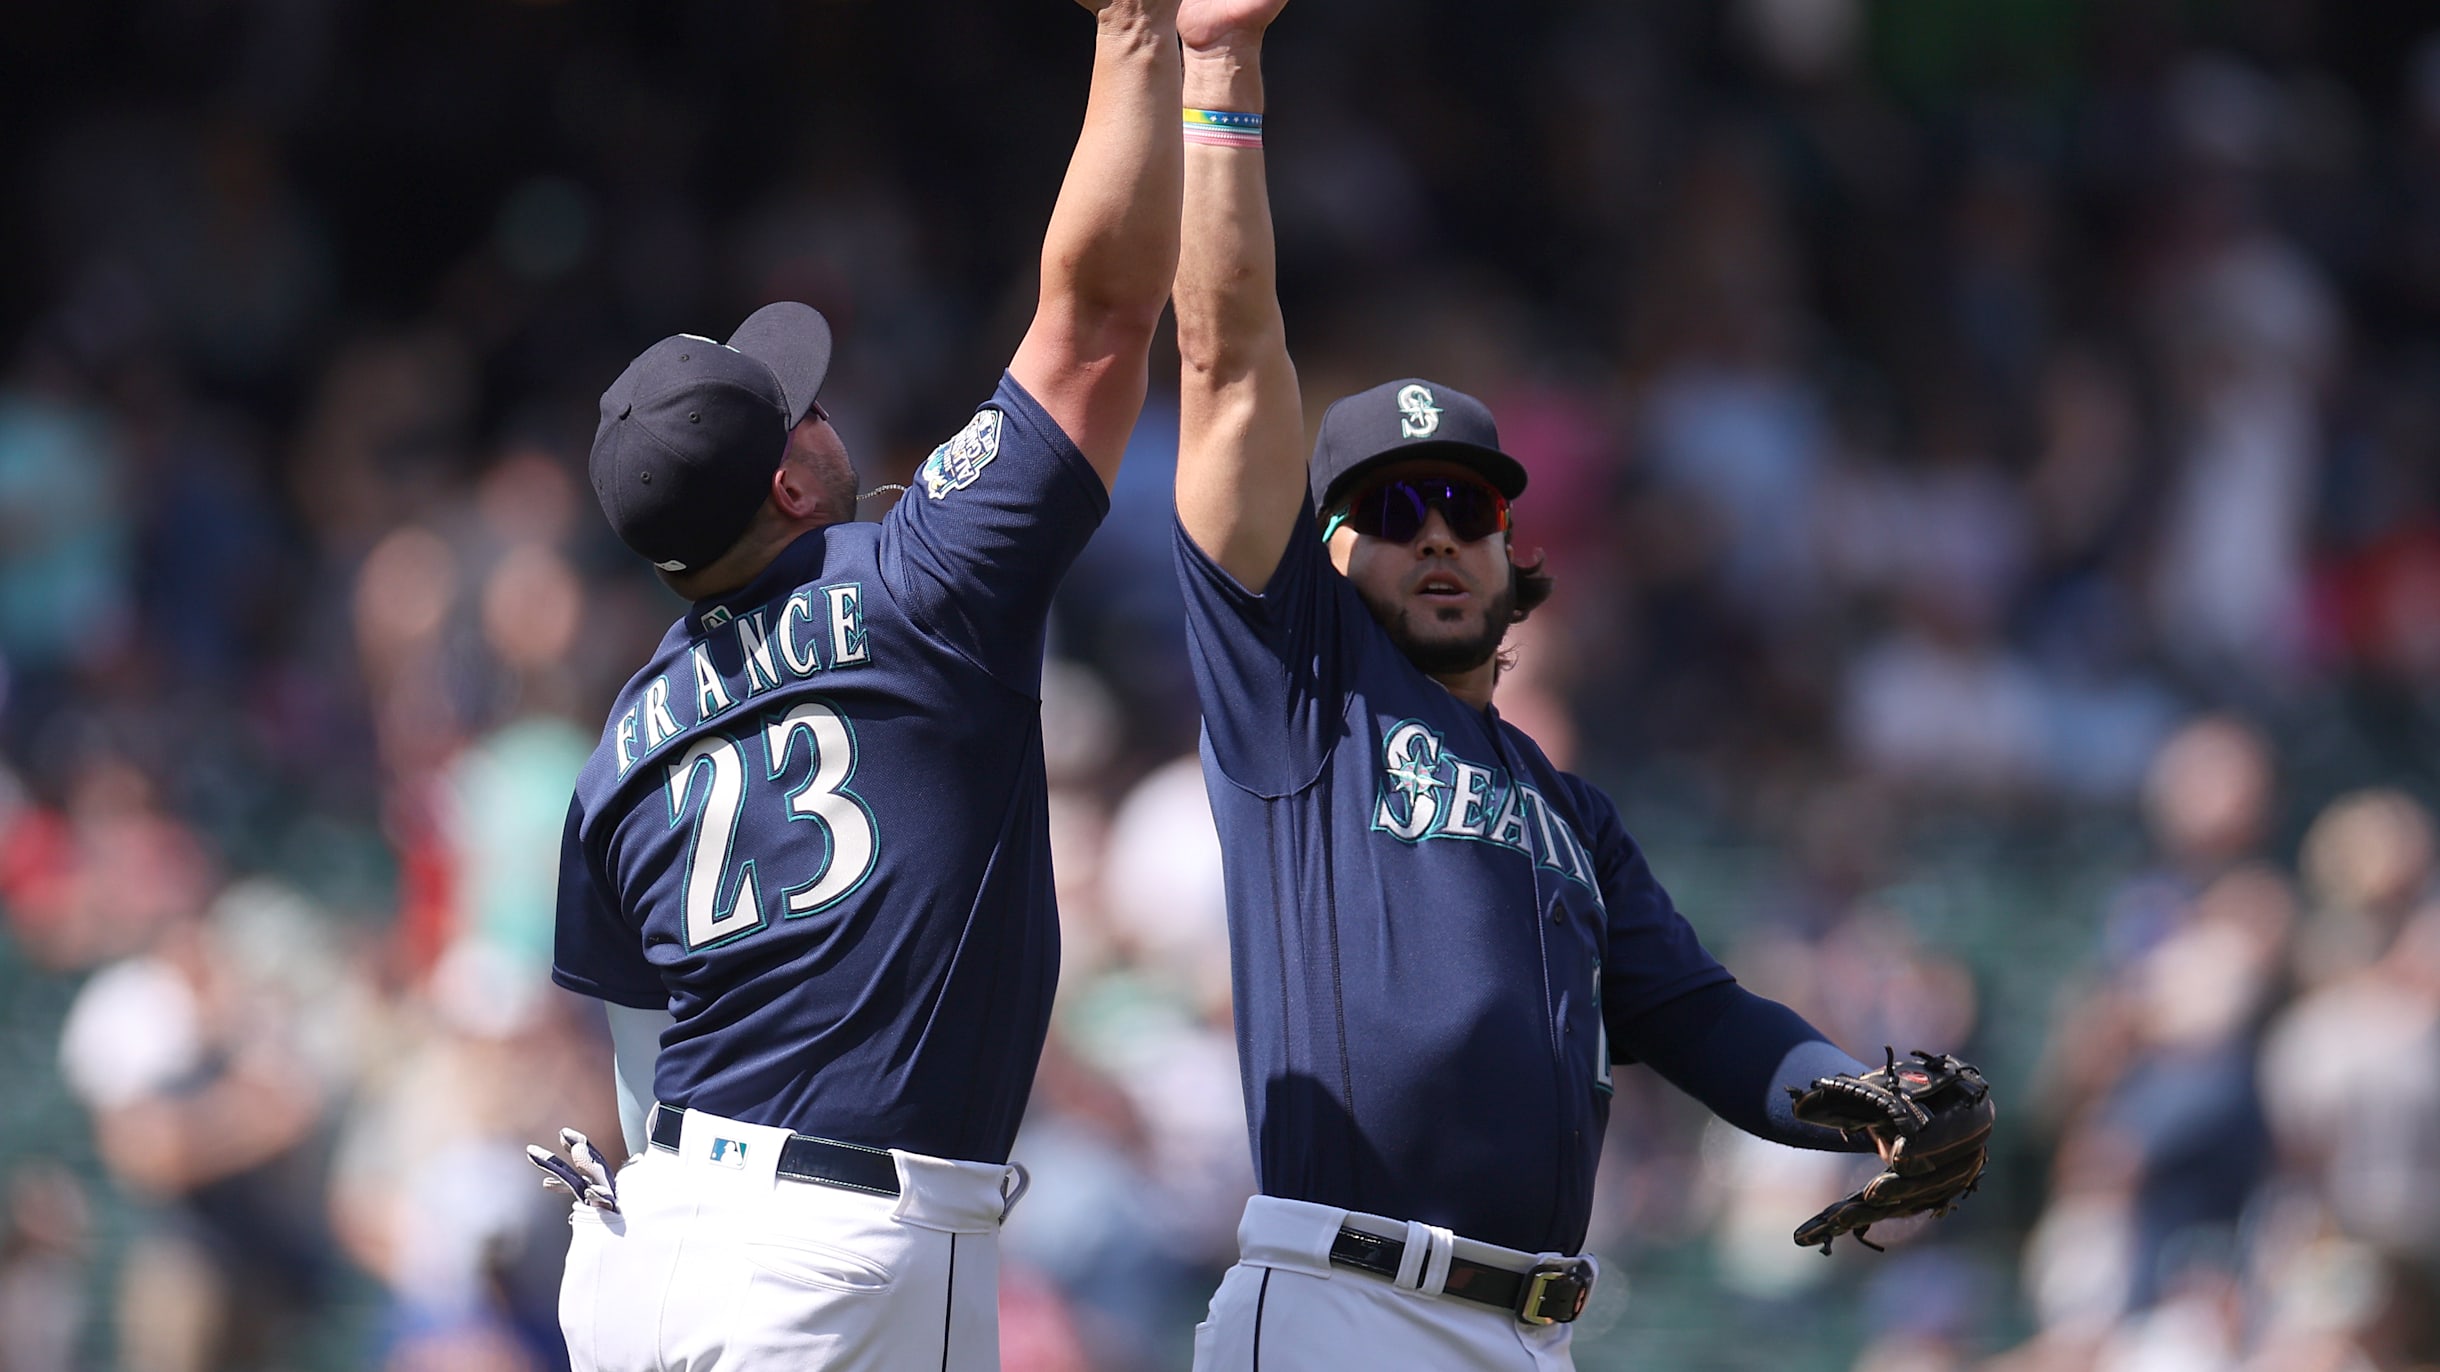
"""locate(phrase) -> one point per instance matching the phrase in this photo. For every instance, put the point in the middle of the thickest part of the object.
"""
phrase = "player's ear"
(794, 492)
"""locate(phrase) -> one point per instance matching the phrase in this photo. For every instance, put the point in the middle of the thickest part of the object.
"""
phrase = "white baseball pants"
(1285, 1308)
(713, 1261)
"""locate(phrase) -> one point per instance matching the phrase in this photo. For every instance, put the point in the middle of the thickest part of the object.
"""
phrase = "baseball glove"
(1930, 1118)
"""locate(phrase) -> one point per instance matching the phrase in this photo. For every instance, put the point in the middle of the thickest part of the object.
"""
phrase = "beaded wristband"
(1223, 128)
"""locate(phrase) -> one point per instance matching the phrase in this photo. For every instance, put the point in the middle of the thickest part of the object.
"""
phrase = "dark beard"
(1449, 657)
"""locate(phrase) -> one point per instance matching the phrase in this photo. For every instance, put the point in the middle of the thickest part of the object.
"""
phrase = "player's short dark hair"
(1534, 583)
(1530, 583)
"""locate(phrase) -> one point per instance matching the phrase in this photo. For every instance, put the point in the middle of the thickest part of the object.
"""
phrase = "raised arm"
(1112, 245)
(1241, 432)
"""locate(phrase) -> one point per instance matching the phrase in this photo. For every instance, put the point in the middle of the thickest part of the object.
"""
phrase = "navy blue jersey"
(1433, 928)
(814, 829)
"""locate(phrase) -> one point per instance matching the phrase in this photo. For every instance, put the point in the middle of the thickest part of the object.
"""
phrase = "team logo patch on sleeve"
(954, 465)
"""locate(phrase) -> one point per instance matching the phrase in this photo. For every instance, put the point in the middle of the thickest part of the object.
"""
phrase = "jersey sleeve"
(595, 951)
(1745, 1058)
(1271, 668)
(1653, 954)
(976, 547)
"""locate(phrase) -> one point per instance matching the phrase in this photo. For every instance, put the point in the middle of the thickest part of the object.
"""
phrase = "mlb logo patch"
(729, 1153)
(954, 465)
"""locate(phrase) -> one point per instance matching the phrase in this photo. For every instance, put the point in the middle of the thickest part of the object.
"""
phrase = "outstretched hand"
(1209, 23)
(1152, 9)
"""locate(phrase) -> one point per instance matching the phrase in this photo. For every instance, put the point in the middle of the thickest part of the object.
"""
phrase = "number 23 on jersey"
(716, 769)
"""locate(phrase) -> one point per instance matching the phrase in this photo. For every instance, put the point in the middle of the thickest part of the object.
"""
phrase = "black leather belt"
(824, 1162)
(1552, 1293)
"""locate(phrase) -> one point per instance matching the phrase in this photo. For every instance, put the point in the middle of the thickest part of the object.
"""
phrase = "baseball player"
(807, 867)
(1441, 942)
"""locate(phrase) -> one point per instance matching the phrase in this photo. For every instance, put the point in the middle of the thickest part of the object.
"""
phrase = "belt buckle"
(1570, 1282)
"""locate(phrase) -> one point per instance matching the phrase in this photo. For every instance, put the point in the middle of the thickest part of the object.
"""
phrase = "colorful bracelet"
(1224, 128)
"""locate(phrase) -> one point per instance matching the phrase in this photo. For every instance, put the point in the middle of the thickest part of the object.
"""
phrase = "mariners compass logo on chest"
(1428, 792)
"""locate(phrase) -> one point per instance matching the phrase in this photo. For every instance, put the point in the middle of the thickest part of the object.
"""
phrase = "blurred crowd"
(1990, 456)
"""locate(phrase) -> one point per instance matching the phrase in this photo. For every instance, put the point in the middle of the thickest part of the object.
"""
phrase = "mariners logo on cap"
(954, 465)
(1417, 415)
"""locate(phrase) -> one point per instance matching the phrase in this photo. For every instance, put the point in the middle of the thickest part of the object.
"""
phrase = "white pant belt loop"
(1417, 1256)
(1444, 1252)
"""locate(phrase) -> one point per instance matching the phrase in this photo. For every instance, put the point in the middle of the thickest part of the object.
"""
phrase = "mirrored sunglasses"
(1396, 509)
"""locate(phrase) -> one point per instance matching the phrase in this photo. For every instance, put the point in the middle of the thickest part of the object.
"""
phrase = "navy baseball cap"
(691, 432)
(1400, 421)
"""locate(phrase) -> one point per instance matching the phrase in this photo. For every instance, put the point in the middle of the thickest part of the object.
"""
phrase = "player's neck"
(761, 546)
(1473, 685)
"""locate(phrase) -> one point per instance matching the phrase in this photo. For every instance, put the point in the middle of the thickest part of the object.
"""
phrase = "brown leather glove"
(1930, 1118)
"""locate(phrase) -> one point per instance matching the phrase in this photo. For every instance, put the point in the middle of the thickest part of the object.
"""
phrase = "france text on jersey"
(818, 629)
